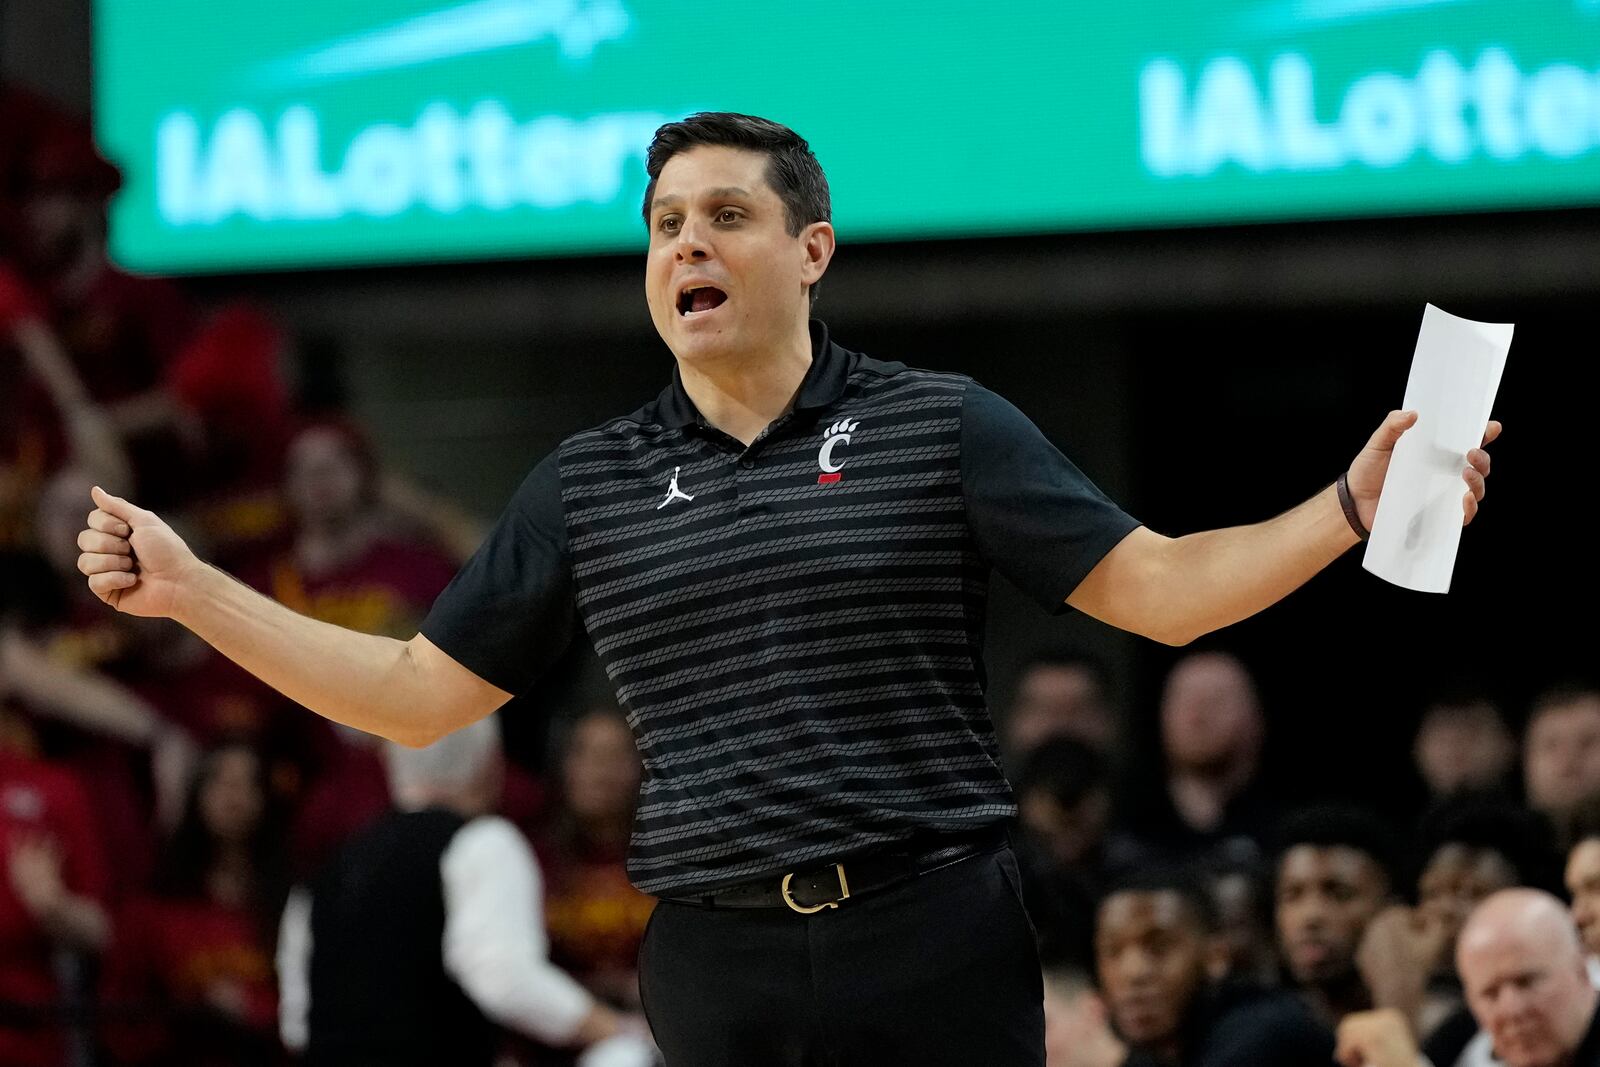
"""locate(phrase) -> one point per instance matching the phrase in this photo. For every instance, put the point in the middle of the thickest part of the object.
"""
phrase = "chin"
(698, 347)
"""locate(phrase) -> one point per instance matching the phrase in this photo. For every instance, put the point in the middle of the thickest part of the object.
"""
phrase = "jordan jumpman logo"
(673, 492)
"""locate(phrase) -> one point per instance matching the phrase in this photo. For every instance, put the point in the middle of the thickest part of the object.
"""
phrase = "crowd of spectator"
(167, 824)
(158, 805)
(1204, 922)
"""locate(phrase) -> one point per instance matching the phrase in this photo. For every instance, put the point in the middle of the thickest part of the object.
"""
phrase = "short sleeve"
(510, 613)
(1035, 516)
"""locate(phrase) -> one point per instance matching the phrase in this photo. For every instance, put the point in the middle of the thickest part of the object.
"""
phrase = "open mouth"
(696, 299)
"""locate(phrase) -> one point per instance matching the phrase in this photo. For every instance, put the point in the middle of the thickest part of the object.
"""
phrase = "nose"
(1138, 967)
(1510, 1003)
(691, 246)
(1312, 917)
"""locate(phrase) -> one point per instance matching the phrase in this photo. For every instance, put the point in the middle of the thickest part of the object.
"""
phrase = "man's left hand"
(1372, 466)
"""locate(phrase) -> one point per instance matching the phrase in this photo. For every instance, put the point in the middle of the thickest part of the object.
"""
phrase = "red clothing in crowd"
(40, 800)
(190, 983)
(228, 378)
(31, 441)
(596, 918)
(387, 589)
(215, 700)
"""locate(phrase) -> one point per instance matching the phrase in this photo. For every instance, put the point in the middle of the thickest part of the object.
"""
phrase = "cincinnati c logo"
(835, 435)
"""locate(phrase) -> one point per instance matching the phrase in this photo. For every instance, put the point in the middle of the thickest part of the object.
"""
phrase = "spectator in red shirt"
(345, 564)
(51, 898)
(50, 418)
(595, 917)
(121, 332)
(190, 980)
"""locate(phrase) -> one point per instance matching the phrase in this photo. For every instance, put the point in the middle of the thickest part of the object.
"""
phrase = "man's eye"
(668, 224)
(727, 215)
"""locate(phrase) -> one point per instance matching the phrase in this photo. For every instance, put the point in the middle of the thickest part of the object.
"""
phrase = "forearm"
(1218, 577)
(364, 681)
(93, 440)
(76, 921)
(81, 697)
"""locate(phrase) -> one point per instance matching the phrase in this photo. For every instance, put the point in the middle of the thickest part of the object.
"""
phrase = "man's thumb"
(1396, 424)
(120, 508)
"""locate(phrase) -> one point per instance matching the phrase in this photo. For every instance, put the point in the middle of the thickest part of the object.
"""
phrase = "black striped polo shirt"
(794, 628)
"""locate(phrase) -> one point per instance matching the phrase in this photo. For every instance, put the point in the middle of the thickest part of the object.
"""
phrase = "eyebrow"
(721, 193)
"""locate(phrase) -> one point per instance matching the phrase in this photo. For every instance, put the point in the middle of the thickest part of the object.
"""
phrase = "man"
(1527, 981)
(1471, 848)
(1463, 746)
(1209, 799)
(1064, 808)
(1561, 753)
(795, 632)
(1582, 875)
(427, 929)
(1334, 874)
(1161, 962)
(1060, 694)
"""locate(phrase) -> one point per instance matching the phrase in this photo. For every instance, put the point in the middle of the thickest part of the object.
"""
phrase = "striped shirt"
(794, 628)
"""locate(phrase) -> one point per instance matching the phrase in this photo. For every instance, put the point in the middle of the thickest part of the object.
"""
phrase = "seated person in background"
(1472, 848)
(596, 918)
(1077, 1031)
(1244, 915)
(1064, 804)
(1335, 871)
(52, 891)
(1524, 971)
(1160, 963)
(1561, 753)
(1463, 746)
(189, 977)
(1059, 694)
(427, 930)
(1582, 875)
(1210, 799)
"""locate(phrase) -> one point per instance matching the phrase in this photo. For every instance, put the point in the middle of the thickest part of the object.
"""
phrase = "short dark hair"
(1340, 826)
(1524, 838)
(792, 169)
(1185, 881)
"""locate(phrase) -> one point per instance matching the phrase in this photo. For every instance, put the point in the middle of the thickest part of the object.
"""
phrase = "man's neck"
(742, 395)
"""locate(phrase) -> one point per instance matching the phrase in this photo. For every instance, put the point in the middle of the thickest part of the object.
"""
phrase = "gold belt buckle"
(844, 893)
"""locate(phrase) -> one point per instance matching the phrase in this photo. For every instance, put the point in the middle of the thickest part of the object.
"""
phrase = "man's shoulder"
(870, 371)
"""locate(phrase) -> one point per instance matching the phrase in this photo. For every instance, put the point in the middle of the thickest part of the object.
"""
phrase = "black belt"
(816, 888)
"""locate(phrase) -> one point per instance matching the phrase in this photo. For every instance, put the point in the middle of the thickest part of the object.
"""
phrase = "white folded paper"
(1455, 375)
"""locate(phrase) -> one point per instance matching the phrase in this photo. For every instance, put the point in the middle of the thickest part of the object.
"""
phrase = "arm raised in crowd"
(407, 691)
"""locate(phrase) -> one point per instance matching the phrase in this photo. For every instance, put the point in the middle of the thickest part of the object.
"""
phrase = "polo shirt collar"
(823, 384)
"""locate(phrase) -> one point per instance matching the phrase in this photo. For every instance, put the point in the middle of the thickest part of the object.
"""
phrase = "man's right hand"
(133, 560)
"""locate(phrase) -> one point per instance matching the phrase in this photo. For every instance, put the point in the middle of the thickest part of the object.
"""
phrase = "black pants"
(939, 970)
